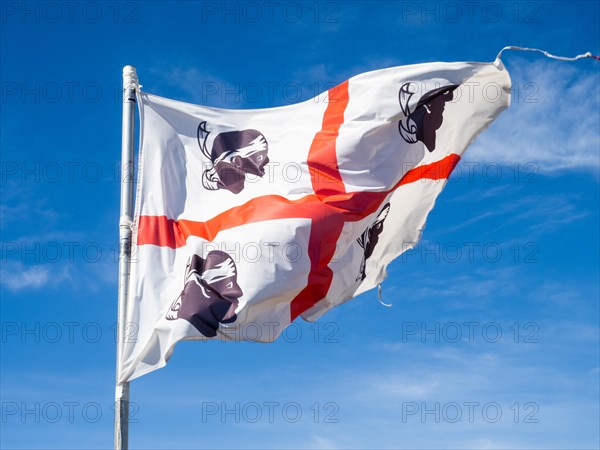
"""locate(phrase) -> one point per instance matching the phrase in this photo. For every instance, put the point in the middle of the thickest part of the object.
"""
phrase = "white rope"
(387, 305)
(545, 53)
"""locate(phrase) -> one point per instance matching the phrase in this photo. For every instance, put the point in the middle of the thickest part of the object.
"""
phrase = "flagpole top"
(128, 70)
(130, 79)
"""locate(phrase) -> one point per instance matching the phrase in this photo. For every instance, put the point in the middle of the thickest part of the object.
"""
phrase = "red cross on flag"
(260, 216)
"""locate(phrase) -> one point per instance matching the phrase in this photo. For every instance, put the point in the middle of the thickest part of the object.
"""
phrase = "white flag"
(247, 219)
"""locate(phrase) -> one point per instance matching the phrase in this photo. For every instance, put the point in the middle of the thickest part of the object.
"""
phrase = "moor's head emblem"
(210, 293)
(422, 120)
(369, 239)
(234, 154)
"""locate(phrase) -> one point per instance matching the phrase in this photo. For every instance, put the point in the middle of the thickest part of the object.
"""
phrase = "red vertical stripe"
(322, 156)
(326, 180)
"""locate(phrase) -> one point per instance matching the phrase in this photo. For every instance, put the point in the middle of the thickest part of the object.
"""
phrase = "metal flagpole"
(130, 84)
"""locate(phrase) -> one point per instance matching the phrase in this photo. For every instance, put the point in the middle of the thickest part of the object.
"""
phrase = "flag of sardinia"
(260, 216)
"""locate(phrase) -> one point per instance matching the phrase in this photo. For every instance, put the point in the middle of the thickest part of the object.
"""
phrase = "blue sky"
(493, 337)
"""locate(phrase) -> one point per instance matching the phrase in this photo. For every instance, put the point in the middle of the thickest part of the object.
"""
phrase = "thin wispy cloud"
(558, 210)
(195, 84)
(553, 119)
(26, 212)
(17, 276)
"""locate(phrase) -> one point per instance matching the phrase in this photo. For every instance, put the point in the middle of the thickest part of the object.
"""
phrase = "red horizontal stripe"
(438, 170)
(165, 232)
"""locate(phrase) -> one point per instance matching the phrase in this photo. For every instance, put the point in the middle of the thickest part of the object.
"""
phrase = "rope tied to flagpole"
(547, 54)
(125, 222)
